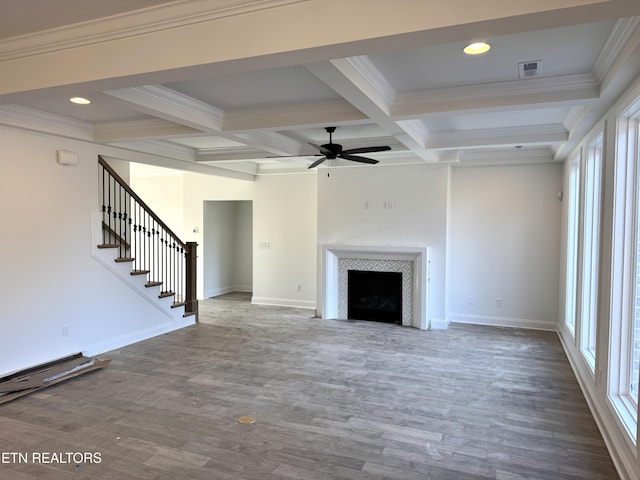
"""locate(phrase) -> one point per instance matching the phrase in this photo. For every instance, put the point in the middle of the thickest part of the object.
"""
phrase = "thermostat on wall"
(65, 157)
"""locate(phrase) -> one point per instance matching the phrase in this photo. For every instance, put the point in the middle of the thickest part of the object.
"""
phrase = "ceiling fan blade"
(295, 156)
(366, 150)
(357, 159)
(317, 162)
(323, 150)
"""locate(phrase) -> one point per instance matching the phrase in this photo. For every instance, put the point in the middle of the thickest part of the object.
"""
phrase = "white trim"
(171, 105)
(98, 348)
(620, 36)
(215, 292)
(616, 444)
(284, 302)
(130, 24)
(532, 324)
(39, 121)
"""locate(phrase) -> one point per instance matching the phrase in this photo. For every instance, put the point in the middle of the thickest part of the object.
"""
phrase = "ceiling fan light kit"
(331, 151)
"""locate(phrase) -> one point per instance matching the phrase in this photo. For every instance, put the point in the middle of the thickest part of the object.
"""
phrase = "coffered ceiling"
(168, 80)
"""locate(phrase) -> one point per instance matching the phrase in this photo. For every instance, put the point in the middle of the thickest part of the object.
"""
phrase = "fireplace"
(409, 262)
(375, 296)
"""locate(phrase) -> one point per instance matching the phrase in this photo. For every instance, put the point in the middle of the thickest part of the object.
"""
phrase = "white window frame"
(590, 249)
(623, 273)
(573, 229)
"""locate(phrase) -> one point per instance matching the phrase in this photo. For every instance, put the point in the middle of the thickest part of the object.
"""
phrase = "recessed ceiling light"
(80, 100)
(476, 48)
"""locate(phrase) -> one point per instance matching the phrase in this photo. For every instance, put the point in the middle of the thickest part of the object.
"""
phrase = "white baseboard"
(502, 321)
(215, 292)
(98, 348)
(439, 324)
(284, 302)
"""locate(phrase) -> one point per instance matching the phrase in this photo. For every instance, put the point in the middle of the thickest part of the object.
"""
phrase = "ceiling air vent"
(530, 69)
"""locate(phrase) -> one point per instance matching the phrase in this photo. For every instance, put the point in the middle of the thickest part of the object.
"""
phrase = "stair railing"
(142, 238)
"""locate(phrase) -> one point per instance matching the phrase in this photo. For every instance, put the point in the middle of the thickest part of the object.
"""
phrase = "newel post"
(191, 292)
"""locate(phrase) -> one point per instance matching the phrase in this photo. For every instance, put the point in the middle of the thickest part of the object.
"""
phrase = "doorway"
(227, 248)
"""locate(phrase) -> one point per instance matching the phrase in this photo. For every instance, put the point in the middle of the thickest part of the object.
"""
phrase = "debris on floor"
(36, 378)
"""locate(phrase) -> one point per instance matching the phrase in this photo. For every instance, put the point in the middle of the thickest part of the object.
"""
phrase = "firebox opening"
(374, 296)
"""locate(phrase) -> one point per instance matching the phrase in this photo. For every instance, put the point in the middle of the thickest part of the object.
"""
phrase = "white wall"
(243, 265)
(162, 189)
(351, 212)
(505, 243)
(285, 218)
(49, 277)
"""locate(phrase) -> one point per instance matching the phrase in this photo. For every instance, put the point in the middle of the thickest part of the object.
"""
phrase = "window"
(572, 244)
(590, 250)
(634, 334)
(625, 300)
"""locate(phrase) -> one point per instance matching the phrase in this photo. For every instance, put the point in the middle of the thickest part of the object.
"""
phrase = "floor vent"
(530, 69)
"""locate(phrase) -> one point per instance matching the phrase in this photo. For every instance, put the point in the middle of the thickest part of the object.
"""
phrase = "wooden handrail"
(135, 196)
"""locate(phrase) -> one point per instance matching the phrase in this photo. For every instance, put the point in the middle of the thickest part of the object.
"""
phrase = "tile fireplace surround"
(412, 262)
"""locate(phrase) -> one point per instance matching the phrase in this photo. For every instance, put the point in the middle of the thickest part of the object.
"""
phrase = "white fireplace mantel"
(332, 254)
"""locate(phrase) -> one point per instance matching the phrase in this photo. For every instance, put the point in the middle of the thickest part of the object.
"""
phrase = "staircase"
(134, 243)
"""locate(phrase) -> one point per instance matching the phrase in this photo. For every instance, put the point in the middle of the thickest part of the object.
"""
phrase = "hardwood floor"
(331, 400)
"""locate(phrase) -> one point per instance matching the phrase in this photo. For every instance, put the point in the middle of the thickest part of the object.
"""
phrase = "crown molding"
(620, 36)
(148, 20)
(39, 121)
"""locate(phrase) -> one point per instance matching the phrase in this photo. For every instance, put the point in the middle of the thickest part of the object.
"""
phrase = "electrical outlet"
(298, 288)
(66, 331)
(265, 245)
(471, 300)
(498, 302)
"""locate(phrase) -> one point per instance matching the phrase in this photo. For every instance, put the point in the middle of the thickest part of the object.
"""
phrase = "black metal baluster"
(119, 222)
(109, 180)
(104, 208)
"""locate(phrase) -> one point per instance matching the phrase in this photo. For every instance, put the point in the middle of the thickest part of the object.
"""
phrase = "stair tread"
(139, 272)
(188, 314)
(178, 304)
(153, 284)
(166, 294)
(124, 259)
(108, 245)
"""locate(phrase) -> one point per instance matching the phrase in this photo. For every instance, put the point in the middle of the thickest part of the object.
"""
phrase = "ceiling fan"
(331, 151)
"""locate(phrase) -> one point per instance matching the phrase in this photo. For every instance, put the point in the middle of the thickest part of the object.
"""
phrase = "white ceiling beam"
(359, 82)
(486, 157)
(170, 155)
(39, 121)
(527, 135)
(272, 142)
(561, 89)
(304, 115)
(170, 105)
(176, 107)
(109, 132)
